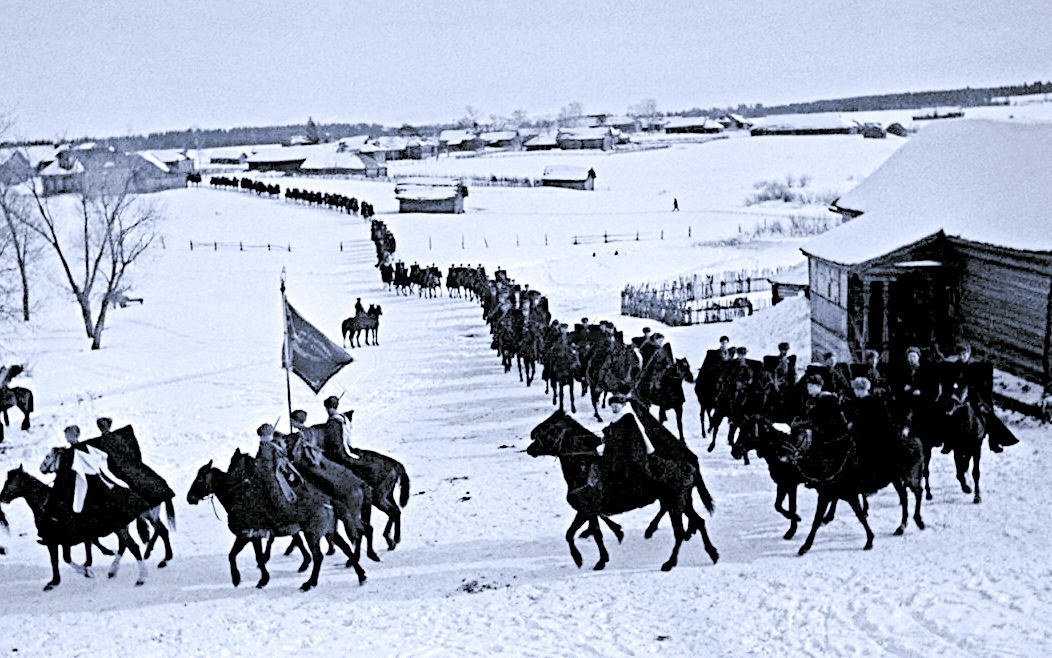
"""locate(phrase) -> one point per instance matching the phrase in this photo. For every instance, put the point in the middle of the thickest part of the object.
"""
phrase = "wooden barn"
(585, 138)
(949, 240)
(445, 198)
(14, 167)
(692, 125)
(805, 124)
(540, 143)
(568, 176)
(288, 158)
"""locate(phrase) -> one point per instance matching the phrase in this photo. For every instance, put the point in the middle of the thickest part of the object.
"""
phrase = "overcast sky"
(121, 67)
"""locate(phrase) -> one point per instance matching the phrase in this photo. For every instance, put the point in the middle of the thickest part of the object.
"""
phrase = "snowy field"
(483, 568)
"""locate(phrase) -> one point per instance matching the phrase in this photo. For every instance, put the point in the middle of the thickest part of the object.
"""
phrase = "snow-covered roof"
(353, 143)
(823, 121)
(392, 143)
(686, 122)
(289, 153)
(333, 160)
(55, 169)
(980, 180)
(540, 140)
(156, 161)
(413, 192)
(498, 136)
(585, 133)
(565, 172)
(167, 155)
(454, 137)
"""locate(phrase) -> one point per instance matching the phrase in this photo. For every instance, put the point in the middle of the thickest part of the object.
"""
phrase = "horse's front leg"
(927, 480)
(239, 543)
(573, 406)
(679, 426)
(261, 562)
(975, 473)
(578, 521)
(823, 503)
(676, 516)
(55, 578)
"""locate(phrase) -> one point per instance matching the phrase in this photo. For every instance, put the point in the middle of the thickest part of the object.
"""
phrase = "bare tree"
(16, 240)
(113, 228)
(471, 117)
(569, 115)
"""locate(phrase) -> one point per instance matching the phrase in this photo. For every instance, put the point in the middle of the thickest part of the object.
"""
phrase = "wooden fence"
(240, 246)
(700, 298)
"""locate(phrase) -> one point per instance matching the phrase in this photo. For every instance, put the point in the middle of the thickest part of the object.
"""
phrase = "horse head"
(683, 370)
(202, 485)
(15, 485)
(560, 435)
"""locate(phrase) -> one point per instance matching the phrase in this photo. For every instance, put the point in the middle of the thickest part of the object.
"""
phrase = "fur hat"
(264, 429)
(915, 350)
(815, 379)
(617, 399)
(783, 346)
(331, 402)
(861, 384)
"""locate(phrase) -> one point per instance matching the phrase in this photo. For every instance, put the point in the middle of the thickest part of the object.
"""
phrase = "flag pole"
(288, 350)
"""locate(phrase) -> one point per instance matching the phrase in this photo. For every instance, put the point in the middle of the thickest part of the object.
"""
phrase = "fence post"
(575, 239)
(637, 235)
(290, 246)
(688, 231)
(545, 239)
(461, 240)
(516, 240)
(215, 246)
(191, 245)
(662, 234)
(241, 246)
(604, 238)
(429, 243)
(341, 245)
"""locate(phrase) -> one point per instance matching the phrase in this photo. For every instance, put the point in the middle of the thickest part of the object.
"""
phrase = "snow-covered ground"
(483, 568)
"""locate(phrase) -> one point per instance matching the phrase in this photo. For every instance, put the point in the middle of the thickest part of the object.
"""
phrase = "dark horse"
(240, 495)
(965, 433)
(779, 451)
(669, 392)
(16, 396)
(563, 437)
(20, 484)
(847, 469)
(620, 365)
(368, 321)
(562, 363)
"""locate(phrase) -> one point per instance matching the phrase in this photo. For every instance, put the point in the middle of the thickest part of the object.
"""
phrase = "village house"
(805, 124)
(585, 138)
(445, 198)
(686, 125)
(950, 239)
(568, 176)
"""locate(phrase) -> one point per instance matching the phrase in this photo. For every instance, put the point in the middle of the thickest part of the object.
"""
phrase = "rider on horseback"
(625, 450)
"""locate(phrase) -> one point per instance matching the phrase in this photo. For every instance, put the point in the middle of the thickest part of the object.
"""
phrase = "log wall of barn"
(1004, 304)
(828, 309)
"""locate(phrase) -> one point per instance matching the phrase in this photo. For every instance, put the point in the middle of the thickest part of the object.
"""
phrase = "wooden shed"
(585, 138)
(695, 125)
(431, 198)
(568, 176)
(950, 239)
(805, 124)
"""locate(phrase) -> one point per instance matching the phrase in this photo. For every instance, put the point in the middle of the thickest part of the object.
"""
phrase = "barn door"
(919, 312)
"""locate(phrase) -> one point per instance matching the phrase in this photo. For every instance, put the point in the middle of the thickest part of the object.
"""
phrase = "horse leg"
(126, 541)
(597, 535)
(352, 558)
(160, 529)
(652, 528)
(820, 510)
(518, 362)
(595, 403)
(679, 426)
(367, 530)
(832, 512)
(900, 488)
(578, 521)
(794, 519)
(962, 468)
(857, 509)
(239, 544)
(927, 481)
(261, 562)
(614, 527)
(55, 579)
(573, 406)
(975, 470)
(314, 542)
(676, 516)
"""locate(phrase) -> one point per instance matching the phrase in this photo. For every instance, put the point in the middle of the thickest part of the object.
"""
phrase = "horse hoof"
(305, 587)
(49, 587)
(111, 575)
(920, 524)
(899, 531)
(140, 583)
(977, 499)
(599, 566)
(668, 566)
(712, 447)
(163, 564)
(373, 556)
(715, 555)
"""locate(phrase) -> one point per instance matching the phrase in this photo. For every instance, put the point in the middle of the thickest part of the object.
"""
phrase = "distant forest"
(196, 138)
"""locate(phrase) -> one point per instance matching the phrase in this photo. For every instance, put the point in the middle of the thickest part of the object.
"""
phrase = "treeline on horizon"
(196, 138)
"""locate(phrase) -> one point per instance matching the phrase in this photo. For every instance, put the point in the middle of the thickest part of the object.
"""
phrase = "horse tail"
(169, 510)
(144, 530)
(29, 401)
(706, 497)
(403, 480)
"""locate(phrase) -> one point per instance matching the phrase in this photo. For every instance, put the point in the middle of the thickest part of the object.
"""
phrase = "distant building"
(14, 167)
(503, 139)
(805, 124)
(431, 198)
(287, 158)
(456, 140)
(585, 138)
(939, 113)
(540, 143)
(685, 125)
(873, 131)
(568, 176)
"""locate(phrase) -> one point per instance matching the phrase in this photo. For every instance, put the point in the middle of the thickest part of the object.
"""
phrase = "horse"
(384, 474)
(563, 437)
(20, 484)
(965, 437)
(779, 451)
(562, 364)
(530, 351)
(620, 365)
(369, 321)
(16, 396)
(847, 469)
(240, 496)
(669, 392)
